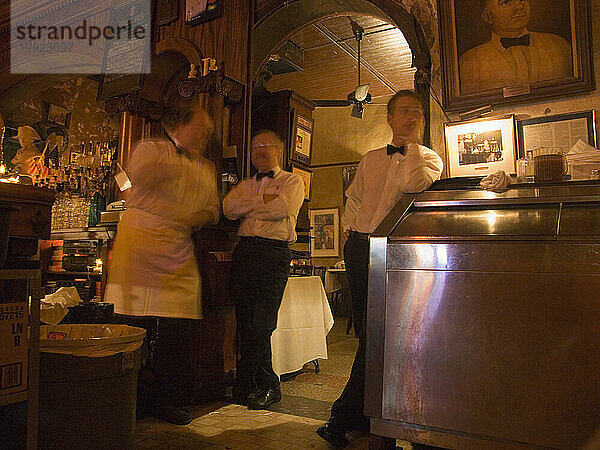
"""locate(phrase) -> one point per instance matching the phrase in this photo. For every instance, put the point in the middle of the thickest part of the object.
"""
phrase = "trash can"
(88, 385)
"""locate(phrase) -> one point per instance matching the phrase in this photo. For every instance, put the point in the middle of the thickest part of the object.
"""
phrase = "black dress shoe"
(264, 399)
(334, 434)
(173, 415)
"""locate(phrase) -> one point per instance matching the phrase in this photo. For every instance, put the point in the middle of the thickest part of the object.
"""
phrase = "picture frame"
(122, 67)
(306, 175)
(470, 83)
(481, 146)
(167, 11)
(56, 114)
(324, 232)
(558, 130)
(301, 146)
(200, 11)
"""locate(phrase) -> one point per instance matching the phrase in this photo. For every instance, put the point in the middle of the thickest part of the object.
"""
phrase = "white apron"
(153, 269)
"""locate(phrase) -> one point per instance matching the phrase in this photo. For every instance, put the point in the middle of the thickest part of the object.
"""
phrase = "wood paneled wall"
(225, 38)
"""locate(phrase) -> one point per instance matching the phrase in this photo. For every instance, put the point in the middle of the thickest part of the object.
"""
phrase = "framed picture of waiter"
(502, 51)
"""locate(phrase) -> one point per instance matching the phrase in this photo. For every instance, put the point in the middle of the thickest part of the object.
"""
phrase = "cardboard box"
(14, 345)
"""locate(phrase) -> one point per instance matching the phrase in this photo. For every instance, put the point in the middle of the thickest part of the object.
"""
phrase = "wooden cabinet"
(30, 223)
(284, 112)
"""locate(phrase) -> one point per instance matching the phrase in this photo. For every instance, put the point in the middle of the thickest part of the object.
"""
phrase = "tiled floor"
(225, 426)
(290, 424)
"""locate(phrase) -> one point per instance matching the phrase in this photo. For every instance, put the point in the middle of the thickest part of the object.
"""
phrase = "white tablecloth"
(303, 323)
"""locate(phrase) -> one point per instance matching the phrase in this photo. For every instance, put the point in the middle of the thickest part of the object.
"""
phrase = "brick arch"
(272, 31)
(283, 21)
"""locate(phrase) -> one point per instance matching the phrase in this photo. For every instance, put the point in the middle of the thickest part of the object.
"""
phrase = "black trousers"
(260, 273)
(348, 410)
(164, 378)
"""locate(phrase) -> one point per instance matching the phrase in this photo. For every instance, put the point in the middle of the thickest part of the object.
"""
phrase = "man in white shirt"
(153, 279)
(268, 205)
(383, 176)
(513, 55)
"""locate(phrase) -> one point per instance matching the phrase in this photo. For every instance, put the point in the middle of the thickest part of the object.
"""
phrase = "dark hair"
(403, 93)
(178, 110)
(271, 133)
(483, 4)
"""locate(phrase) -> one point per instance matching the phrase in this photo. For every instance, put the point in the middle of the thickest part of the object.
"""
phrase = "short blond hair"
(403, 93)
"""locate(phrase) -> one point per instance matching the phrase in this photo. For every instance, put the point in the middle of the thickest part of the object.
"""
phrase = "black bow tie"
(511, 42)
(260, 176)
(391, 149)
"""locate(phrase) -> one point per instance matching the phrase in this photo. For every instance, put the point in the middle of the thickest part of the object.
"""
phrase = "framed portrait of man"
(505, 51)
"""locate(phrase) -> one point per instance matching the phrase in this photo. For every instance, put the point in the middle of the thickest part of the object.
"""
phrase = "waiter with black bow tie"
(383, 176)
(268, 205)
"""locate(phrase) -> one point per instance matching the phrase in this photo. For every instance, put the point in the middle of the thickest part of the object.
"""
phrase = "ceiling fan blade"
(357, 110)
(331, 103)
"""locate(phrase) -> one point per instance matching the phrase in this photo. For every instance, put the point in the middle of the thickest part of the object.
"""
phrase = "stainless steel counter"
(487, 306)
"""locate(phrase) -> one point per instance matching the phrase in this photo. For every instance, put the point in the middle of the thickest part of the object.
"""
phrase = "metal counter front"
(487, 306)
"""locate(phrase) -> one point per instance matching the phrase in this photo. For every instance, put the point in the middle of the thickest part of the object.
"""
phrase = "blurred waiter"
(154, 280)
(268, 205)
(383, 176)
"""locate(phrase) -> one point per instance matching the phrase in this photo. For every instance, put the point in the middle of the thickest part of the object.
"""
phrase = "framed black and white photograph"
(484, 62)
(199, 11)
(558, 130)
(306, 175)
(302, 139)
(57, 114)
(324, 232)
(481, 147)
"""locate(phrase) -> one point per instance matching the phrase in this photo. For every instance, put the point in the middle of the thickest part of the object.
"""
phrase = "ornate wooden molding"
(215, 82)
(135, 104)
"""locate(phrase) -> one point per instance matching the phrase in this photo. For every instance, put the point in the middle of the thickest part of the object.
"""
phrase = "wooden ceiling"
(330, 72)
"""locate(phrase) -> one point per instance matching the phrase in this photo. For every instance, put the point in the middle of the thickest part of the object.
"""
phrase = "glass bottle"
(529, 174)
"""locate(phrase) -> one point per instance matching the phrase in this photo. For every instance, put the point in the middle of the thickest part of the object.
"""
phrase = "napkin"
(54, 307)
(583, 153)
(498, 180)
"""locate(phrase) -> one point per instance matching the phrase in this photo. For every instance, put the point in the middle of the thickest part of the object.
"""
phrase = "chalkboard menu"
(126, 59)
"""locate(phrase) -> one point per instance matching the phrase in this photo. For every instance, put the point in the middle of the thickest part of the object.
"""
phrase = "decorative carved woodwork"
(215, 82)
(134, 104)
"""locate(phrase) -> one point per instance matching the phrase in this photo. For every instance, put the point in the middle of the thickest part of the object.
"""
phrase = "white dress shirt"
(273, 220)
(380, 181)
(490, 65)
(153, 270)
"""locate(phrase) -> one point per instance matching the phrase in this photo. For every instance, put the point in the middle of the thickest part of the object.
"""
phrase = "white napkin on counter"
(582, 153)
(54, 307)
(498, 180)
